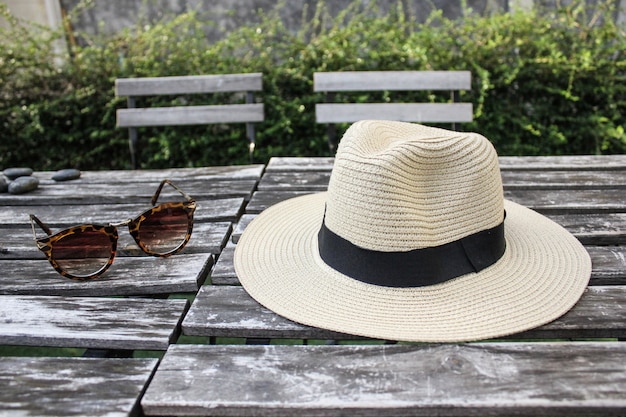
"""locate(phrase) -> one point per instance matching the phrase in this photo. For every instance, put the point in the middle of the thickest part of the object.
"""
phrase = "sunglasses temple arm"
(166, 181)
(33, 220)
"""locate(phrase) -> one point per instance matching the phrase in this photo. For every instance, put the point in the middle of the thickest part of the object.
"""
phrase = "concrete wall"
(42, 12)
(109, 16)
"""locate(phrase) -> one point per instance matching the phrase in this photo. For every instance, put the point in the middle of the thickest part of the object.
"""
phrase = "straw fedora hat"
(413, 241)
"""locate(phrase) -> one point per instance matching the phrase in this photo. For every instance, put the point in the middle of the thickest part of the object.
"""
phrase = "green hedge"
(545, 82)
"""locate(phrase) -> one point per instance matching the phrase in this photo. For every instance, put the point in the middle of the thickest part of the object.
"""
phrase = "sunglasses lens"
(164, 231)
(83, 253)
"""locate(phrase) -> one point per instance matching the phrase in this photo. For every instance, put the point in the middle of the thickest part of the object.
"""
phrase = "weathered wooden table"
(573, 366)
(138, 305)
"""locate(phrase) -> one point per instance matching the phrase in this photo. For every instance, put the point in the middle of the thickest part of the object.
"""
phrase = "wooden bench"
(370, 81)
(134, 117)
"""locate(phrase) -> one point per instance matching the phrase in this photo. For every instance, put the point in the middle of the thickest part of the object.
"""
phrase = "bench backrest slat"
(194, 84)
(134, 116)
(364, 81)
(405, 112)
(192, 115)
(391, 80)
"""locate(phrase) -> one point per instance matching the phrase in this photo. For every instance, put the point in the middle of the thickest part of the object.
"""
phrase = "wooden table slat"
(589, 228)
(444, 380)
(565, 162)
(18, 243)
(127, 276)
(73, 386)
(569, 162)
(220, 210)
(223, 272)
(609, 266)
(90, 322)
(228, 311)
(299, 164)
(540, 179)
(594, 228)
(78, 193)
(212, 173)
(545, 201)
(241, 225)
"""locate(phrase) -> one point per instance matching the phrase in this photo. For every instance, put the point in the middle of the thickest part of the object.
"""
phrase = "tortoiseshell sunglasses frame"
(45, 244)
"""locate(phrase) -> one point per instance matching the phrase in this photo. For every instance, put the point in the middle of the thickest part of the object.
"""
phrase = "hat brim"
(542, 274)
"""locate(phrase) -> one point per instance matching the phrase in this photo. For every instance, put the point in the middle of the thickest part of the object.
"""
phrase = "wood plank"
(178, 175)
(190, 115)
(263, 199)
(90, 322)
(127, 276)
(220, 210)
(570, 201)
(241, 225)
(445, 380)
(228, 311)
(73, 386)
(566, 162)
(590, 228)
(564, 180)
(545, 201)
(18, 243)
(599, 314)
(609, 266)
(594, 228)
(80, 192)
(542, 180)
(290, 163)
(189, 84)
(406, 112)
(297, 180)
(392, 80)
(223, 272)
(569, 162)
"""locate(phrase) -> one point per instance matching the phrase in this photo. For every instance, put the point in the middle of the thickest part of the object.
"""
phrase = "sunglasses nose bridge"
(120, 224)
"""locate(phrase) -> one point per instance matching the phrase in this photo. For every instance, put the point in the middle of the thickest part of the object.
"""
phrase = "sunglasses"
(87, 251)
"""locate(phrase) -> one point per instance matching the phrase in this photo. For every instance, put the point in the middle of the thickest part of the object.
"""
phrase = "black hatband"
(415, 268)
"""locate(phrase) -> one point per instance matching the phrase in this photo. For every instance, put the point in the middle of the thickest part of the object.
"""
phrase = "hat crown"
(398, 186)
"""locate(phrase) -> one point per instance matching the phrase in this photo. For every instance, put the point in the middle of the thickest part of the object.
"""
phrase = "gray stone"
(23, 185)
(4, 184)
(66, 174)
(13, 173)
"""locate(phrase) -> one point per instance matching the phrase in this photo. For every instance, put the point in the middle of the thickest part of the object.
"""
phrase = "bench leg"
(331, 131)
(132, 144)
